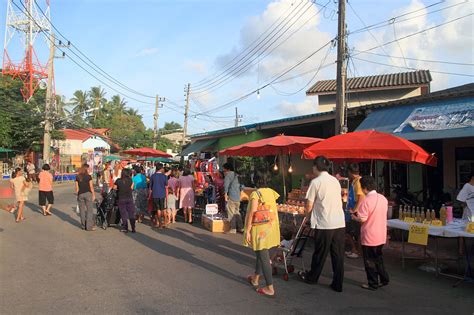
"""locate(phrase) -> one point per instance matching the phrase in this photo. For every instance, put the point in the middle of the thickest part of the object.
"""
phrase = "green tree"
(169, 126)
(80, 101)
(97, 100)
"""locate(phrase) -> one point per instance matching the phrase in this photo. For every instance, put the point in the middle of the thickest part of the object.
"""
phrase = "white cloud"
(299, 45)
(289, 109)
(147, 52)
(451, 42)
(196, 66)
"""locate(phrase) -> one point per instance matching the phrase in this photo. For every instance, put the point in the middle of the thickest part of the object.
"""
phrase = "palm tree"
(132, 112)
(97, 99)
(61, 110)
(118, 104)
(80, 102)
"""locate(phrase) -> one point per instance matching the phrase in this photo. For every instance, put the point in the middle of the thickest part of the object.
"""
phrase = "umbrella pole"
(282, 166)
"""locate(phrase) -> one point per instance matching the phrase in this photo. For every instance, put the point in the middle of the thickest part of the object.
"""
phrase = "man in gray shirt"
(232, 198)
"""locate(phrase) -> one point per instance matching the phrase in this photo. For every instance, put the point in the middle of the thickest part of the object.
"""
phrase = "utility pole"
(187, 90)
(340, 126)
(155, 119)
(238, 118)
(49, 102)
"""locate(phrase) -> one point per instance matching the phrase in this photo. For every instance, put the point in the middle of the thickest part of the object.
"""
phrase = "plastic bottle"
(449, 214)
(442, 214)
(412, 213)
(417, 214)
(401, 212)
(422, 215)
(433, 215)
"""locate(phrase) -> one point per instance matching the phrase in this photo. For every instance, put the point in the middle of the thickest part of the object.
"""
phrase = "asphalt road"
(48, 265)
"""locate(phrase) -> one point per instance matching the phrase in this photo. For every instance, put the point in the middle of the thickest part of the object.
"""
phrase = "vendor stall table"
(455, 229)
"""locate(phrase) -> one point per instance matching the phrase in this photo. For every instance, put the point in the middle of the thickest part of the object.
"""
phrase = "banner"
(439, 118)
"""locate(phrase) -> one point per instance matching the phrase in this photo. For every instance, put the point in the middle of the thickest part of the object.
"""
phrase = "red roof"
(86, 133)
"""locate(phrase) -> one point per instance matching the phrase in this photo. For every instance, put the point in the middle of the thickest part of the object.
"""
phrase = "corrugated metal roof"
(419, 77)
(389, 119)
(451, 93)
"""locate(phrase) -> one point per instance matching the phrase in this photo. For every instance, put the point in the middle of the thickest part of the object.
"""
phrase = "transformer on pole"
(20, 59)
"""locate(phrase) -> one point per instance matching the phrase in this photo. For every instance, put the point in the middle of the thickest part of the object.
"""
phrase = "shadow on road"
(181, 254)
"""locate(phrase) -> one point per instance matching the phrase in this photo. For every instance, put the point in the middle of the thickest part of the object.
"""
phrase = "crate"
(216, 225)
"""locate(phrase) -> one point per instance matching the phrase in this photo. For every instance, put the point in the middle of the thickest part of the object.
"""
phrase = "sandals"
(250, 280)
(261, 291)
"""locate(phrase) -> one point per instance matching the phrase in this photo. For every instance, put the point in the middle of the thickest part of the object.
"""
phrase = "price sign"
(409, 220)
(418, 234)
(212, 209)
(470, 227)
(436, 223)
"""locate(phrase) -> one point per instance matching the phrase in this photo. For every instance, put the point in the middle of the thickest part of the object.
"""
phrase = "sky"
(156, 47)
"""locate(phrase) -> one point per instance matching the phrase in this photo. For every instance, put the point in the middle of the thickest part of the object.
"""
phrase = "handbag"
(263, 215)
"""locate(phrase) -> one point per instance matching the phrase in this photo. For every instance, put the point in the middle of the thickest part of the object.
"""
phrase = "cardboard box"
(216, 225)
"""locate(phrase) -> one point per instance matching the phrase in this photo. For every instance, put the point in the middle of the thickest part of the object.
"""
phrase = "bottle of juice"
(413, 214)
(401, 213)
(433, 215)
(417, 214)
(443, 214)
(422, 215)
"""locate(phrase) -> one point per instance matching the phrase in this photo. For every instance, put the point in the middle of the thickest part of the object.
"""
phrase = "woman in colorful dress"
(186, 195)
(262, 235)
(140, 193)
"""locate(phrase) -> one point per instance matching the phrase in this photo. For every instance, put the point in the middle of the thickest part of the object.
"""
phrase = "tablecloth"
(453, 229)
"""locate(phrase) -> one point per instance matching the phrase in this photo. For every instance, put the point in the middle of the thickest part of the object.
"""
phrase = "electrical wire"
(411, 68)
(421, 60)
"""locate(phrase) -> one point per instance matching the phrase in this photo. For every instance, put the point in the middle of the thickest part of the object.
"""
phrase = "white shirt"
(467, 195)
(325, 193)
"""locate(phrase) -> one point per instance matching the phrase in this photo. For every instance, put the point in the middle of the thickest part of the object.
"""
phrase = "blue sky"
(159, 46)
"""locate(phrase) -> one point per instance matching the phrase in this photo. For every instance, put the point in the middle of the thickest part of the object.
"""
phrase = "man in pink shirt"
(372, 215)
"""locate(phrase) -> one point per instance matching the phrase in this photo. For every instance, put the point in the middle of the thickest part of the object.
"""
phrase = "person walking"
(232, 198)
(355, 197)
(372, 214)
(85, 197)
(45, 193)
(262, 233)
(106, 178)
(22, 186)
(173, 188)
(158, 182)
(466, 197)
(186, 195)
(324, 204)
(140, 193)
(124, 186)
(31, 171)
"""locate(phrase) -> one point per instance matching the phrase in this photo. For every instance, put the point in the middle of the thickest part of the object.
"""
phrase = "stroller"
(296, 250)
(107, 210)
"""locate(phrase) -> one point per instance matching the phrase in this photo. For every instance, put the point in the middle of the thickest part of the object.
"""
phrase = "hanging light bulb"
(275, 167)
(290, 169)
(258, 94)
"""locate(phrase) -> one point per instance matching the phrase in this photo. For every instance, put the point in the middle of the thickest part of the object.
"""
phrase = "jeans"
(86, 209)
(127, 212)
(233, 215)
(374, 267)
(325, 242)
(263, 265)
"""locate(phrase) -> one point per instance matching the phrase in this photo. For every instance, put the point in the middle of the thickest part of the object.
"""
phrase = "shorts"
(353, 229)
(158, 204)
(172, 202)
(45, 195)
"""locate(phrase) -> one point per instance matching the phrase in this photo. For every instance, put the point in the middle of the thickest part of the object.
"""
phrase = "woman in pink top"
(372, 215)
(186, 195)
(45, 190)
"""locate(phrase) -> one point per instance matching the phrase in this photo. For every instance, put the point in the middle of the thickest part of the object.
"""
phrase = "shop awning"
(426, 121)
(198, 146)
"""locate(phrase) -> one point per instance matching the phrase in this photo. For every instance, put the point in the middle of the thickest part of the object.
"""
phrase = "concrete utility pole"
(238, 118)
(187, 90)
(340, 126)
(49, 102)
(156, 130)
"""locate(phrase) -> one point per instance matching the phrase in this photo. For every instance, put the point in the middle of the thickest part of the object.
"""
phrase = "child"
(285, 245)
(210, 191)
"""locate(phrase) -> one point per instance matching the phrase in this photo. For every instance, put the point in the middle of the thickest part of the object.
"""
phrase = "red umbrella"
(147, 152)
(370, 145)
(277, 145)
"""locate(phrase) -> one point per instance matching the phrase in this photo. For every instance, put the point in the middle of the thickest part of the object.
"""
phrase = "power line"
(411, 68)
(229, 75)
(416, 59)
(73, 60)
(100, 70)
(416, 33)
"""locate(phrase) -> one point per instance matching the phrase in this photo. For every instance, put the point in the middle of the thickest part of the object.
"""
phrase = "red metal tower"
(23, 25)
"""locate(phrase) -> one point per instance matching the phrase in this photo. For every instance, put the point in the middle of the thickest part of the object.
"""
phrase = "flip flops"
(249, 280)
(262, 292)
